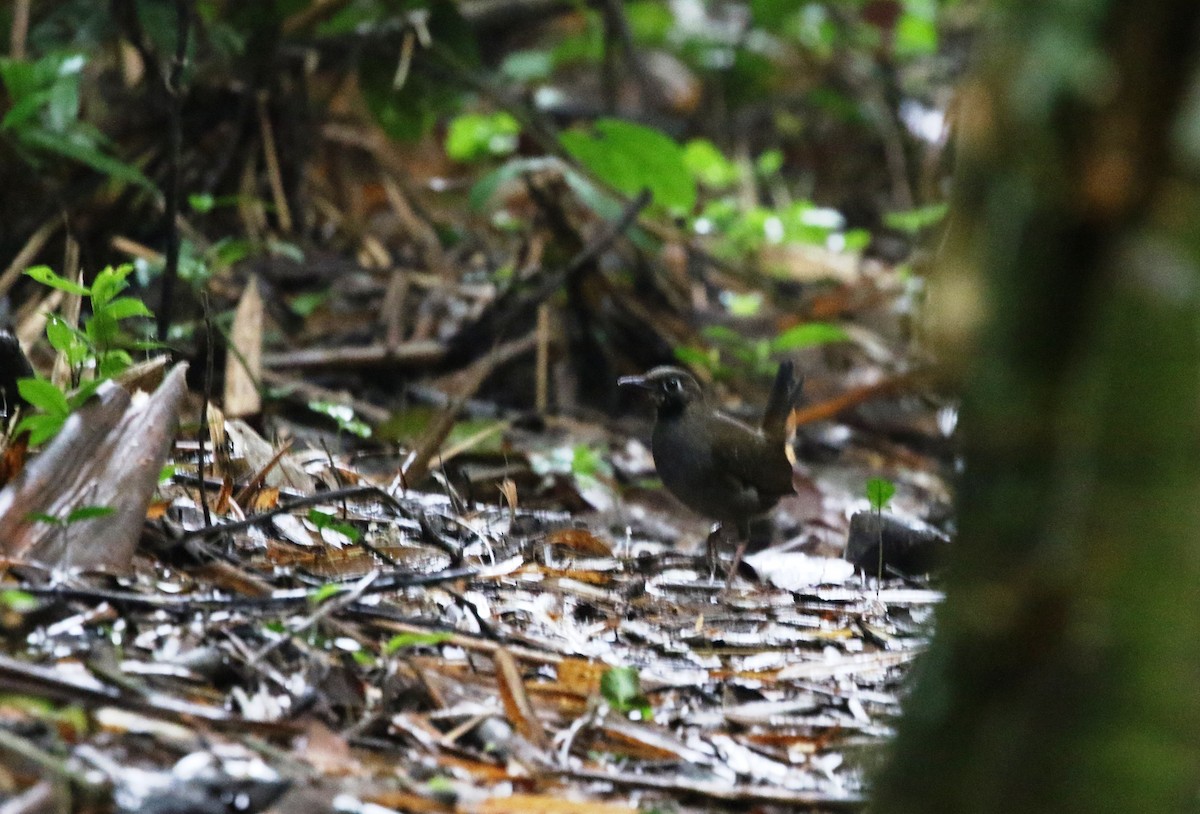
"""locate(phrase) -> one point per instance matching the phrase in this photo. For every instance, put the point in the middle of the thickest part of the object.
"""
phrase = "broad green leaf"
(630, 157)
(708, 165)
(63, 338)
(45, 396)
(108, 283)
(41, 427)
(126, 307)
(101, 330)
(112, 363)
(879, 492)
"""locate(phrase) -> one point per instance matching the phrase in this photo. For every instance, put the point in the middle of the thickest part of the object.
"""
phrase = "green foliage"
(101, 346)
(324, 520)
(914, 220)
(739, 231)
(476, 136)
(18, 601)
(43, 120)
(74, 516)
(405, 641)
(756, 355)
(326, 591)
(807, 335)
(303, 305)
(880, 492)
(621, 687)
(102, 343)
(708, 165)
(630, 157)
(343, 415)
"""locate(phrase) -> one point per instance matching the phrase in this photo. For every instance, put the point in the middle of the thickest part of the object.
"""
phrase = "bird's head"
(670, 387)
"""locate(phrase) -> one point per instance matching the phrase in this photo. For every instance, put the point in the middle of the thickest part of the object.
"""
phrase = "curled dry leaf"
(108, 454)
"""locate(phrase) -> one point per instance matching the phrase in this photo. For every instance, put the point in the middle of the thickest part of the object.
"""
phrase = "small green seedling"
(880, 492)
(622, 689)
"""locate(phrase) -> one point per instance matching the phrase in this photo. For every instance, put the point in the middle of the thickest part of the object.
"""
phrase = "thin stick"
(274, 176)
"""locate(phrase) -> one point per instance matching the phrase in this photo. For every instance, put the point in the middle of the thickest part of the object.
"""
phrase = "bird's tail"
(784, 395)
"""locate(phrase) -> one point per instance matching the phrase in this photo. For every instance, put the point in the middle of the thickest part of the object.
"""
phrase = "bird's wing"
(743, 463)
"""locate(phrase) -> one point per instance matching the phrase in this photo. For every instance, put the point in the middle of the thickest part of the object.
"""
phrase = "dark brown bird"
(718, 466)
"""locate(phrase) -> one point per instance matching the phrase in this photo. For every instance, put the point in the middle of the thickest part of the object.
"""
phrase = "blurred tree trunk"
(1065, 674)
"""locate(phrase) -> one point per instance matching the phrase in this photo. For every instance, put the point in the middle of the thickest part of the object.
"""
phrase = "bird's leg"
(743, 531)
(712, 549)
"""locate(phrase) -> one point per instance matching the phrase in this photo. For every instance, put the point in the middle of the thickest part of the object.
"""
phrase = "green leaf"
(403, 641)
(914, 220)
(84, 392)
(108, 283)
(473, 136)
(343, 415)
(18, 601)
(708, 165)
(622, 688)
(45, 396)
(46, 276)
(324, 520)
(89, 513)
(587, 460)
(304, 305)
(769, 163)
(326, 591)
(743, 305)
(699, 357)
(201, 203)
(101, 330)
(65, 146)
(630, 157)
(63, 338)
(41, 427)
(126, 307)
(42, 517)
(879, 492)
(112, 363)
(807, 335)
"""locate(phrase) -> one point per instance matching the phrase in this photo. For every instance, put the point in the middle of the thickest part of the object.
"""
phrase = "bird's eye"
(674, 385)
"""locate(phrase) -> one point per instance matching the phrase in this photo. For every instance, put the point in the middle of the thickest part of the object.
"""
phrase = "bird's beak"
(635, 381)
